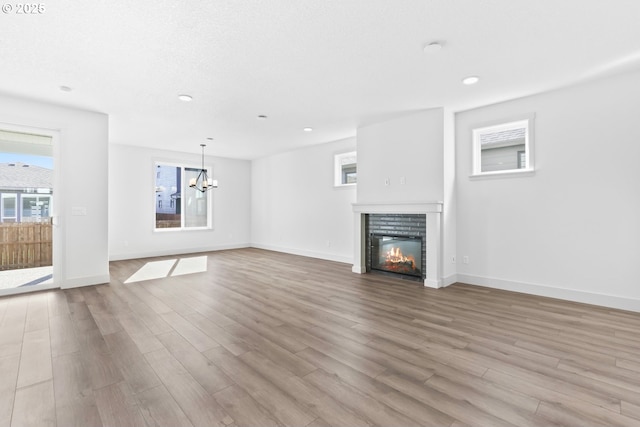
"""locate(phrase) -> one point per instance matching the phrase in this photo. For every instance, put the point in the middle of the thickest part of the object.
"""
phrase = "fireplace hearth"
(396, 254)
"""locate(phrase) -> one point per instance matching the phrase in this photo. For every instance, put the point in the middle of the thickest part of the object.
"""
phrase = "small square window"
(503, 148)
(346, 169)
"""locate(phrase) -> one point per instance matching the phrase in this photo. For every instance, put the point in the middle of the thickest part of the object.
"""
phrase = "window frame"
(3, 198)
(528, 122)
(337, 169)
(183, 190)
(39, 201)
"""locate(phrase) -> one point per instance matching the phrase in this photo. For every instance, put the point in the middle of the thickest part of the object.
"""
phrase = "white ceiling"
(332, 65)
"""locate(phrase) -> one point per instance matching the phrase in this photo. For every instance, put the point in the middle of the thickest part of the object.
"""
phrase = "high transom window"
(503, 148)
(346, 169)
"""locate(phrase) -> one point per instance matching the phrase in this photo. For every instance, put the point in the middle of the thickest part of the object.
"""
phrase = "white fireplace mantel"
(433, 212)
(398, 208)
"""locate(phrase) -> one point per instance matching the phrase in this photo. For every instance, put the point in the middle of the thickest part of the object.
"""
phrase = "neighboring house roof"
(503, 138)
(18, 176)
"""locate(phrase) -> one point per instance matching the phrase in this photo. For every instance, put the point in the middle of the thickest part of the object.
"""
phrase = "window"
(503, 148)
(346, 169)
(8, 212)
(35, 208)
(177, 206)
(522, 159)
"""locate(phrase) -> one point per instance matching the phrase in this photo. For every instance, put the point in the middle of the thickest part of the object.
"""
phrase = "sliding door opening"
(27, 201)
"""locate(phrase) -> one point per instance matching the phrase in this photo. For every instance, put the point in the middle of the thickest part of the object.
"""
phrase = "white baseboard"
(358, 269)
(441, 283)
(612, 301)
(449, 280)
(85, 281)
(310, 254)
(430, 283)
(170, 252)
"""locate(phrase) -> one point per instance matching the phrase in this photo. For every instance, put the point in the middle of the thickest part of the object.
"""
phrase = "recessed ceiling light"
(471, 80)
(262, 117)
(308, 129)
(210, 138)
(432, 47)
(65, 88)
(185, 98)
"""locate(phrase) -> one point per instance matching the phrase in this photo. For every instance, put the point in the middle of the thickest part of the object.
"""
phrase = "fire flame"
(395, 255)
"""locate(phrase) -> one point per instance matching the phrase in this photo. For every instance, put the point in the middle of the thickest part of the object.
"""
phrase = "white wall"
(411, 147)
(297, 209)
(449, 207)
(571, 230)
(81, 181)
(132, 202)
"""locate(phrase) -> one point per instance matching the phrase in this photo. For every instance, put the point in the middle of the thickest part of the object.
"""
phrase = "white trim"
(433, 216)
(302, 252)
(183, 166)
(433, 283)
(399, 208)
(352, 185)
(57, 204)
(170, 252)
(337, 168)
(524, 120)
(86, 281)
(181, 230)
(449, 280)
(511, 173)
(603, 300)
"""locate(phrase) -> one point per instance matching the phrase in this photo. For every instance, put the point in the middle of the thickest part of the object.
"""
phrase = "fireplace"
(396, 254)
(393, 219)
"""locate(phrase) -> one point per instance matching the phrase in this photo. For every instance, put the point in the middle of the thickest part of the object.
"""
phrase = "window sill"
(503, 174)
(177, 229)
(345, 185)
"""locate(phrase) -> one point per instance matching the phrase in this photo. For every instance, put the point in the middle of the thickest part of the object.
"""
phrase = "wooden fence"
(25, 245)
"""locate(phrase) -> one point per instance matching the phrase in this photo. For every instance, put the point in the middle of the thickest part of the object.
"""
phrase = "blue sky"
(44, 161)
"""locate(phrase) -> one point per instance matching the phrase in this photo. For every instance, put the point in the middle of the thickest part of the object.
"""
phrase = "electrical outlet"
(453, 259)
(403, 180)
(465, 259)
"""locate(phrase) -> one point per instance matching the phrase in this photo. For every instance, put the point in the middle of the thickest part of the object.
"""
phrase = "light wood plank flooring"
(269, 339)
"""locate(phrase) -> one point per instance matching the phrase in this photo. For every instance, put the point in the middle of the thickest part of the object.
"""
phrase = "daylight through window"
(346, 169)
(503, 148)
(176, 205)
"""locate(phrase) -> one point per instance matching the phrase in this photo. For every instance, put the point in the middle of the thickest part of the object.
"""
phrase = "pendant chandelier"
(202, 183)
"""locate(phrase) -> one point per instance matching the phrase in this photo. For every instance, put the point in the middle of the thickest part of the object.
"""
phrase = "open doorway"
(27, 201)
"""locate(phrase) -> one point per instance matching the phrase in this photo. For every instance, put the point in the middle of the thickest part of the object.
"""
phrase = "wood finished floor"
(268, 339)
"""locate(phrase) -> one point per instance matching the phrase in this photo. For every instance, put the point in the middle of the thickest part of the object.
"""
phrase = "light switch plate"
(79, 211)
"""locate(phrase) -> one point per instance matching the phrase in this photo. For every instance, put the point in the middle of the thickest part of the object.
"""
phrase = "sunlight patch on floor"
(190, 265)
(26, 276)
(169, 267)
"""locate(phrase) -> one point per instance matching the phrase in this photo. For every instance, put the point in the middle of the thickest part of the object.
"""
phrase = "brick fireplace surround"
(433, 214)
